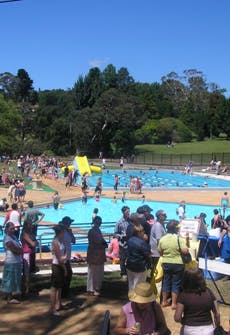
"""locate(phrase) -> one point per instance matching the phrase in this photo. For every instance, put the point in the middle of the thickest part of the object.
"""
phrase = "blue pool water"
(158, 179)
(111, 212)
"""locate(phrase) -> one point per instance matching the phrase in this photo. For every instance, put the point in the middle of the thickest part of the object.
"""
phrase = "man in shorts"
(35, 216)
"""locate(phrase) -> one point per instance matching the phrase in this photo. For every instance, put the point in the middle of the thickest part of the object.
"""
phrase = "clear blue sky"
(57, 40)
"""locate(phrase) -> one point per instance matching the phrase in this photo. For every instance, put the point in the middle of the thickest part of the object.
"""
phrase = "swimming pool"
(158, 179)
(109, 212)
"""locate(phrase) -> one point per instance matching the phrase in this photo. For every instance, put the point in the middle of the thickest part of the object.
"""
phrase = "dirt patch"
(83, 313)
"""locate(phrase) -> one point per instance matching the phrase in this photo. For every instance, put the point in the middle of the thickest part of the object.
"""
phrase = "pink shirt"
(147, 319)
(115, 247)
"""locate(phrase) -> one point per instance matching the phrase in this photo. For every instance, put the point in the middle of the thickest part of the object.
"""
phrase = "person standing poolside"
(35, 216)
(75, 177)
(14, 216)
(10, 192)
(156, 233)
(11, 278)
(21, 191)
(203, 225)
(145, 210)
(138, 256)
(68, 240)
(29, 243)
(225, 202)
(103, 163)
(95, 258)
(172, 263)
(181, 211)
(120, 232)
(121, 162)
(224, 244)
(59, 271)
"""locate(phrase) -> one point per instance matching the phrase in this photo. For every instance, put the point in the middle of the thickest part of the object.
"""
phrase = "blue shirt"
(138, 254)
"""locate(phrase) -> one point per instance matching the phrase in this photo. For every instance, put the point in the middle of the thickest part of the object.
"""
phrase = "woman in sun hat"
(142, 314)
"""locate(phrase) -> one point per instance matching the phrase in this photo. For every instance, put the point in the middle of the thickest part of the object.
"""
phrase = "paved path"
(79, 270)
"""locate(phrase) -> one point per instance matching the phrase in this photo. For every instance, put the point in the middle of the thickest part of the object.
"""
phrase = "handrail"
(105, 329)
(76, 235)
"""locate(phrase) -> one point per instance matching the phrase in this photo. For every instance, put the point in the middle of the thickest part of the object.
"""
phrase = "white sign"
(191, 226)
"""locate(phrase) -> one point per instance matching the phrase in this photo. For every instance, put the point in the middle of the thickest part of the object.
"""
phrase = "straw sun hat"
(142, 293)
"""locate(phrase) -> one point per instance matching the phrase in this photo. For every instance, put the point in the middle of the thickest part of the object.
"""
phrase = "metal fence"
(151, 158)
(167, 159)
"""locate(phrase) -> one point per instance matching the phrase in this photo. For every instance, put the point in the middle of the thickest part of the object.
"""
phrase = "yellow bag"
(192, 264)
(158, 274)
(156, 277)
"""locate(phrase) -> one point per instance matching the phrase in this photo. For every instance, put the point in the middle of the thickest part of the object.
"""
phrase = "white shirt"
(14, 218)
(62, 251)
(181, 212)
(11, 257)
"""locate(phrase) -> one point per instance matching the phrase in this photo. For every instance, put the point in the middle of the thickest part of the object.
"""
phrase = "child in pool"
(123, 197)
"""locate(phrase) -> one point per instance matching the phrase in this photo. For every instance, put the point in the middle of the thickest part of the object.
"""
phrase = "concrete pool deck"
(204, 196)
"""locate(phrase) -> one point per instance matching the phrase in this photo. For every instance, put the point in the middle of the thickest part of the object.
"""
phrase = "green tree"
(8, 85)
(147, 133)
(9, 120)
(109, 76)
(171, 129)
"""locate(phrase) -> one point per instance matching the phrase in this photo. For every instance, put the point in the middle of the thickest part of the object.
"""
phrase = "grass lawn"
(208, 146)
(200, 153)
(12, 170)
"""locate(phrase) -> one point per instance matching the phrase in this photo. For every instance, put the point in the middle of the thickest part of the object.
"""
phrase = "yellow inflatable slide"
(81, 163)
(84, 167)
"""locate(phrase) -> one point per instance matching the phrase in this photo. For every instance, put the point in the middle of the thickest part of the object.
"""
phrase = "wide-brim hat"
(142, 293)
(143, 209)
(66, 221)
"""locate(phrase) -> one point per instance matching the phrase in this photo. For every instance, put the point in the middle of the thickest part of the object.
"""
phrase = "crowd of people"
(138, 242)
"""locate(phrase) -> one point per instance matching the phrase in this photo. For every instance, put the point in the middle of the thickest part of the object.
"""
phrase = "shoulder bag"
(186, 258)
